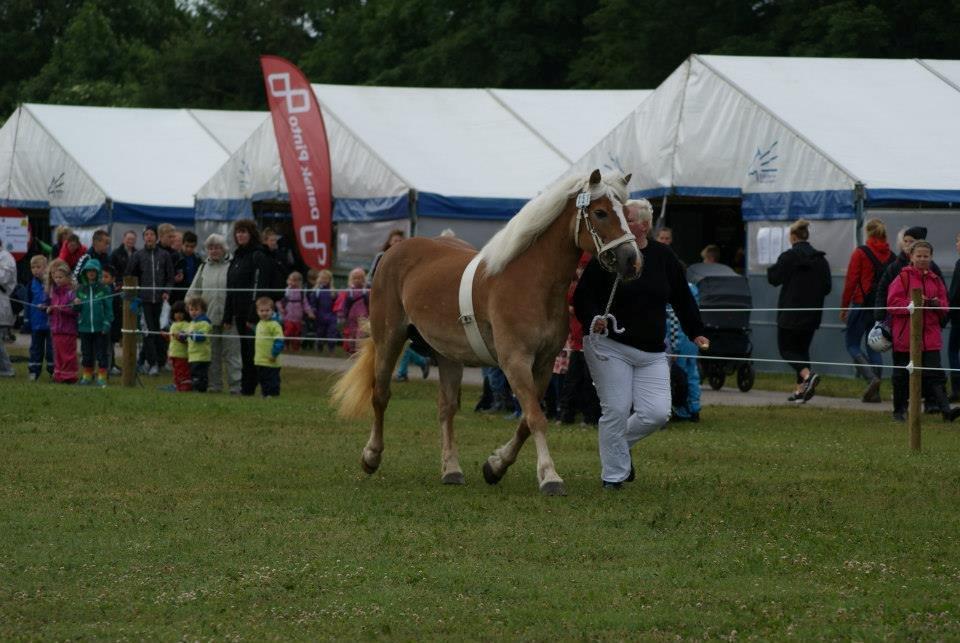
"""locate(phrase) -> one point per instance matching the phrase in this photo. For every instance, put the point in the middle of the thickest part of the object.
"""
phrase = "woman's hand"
(843, 315)
(702, 342)
(599, 326)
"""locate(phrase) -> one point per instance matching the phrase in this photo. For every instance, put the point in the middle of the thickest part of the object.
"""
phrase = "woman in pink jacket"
(919, 275)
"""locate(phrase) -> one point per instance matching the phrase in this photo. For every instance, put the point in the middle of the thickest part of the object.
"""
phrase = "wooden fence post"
(916, 375)
(129, 337)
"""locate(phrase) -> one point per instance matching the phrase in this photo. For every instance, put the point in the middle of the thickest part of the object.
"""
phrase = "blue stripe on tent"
(145, 214)
(888, 196)
(652, 193)
(224, 209)
(355, 210)
(24, 203)
(431, 204)
(80, 215)
(371, 209)
(785, 206)
(714, 193)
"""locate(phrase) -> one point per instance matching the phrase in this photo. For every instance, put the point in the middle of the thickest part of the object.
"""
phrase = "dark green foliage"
(204, 53)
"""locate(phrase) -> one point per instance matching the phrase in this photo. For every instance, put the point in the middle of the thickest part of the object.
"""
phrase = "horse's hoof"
(454, 477)
(367, 467)
(553, 488)
(489, 475)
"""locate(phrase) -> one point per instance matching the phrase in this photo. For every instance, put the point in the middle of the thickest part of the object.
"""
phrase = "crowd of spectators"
(71, 297)
(201, 315)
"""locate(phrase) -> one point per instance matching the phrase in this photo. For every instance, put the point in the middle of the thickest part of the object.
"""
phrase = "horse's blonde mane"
(537, 215)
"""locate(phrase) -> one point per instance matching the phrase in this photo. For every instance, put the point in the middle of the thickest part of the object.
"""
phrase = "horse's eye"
(600, 214)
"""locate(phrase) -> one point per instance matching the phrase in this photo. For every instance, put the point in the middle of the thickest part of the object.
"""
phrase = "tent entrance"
(697, 223)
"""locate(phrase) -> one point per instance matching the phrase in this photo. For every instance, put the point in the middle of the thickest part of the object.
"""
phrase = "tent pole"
(858, 191)
(413, 212)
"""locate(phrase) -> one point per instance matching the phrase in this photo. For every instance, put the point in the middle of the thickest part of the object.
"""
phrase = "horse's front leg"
(528, 391)
(448, 403)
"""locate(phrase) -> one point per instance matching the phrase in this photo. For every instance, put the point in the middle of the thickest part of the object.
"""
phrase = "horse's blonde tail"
(353, 392)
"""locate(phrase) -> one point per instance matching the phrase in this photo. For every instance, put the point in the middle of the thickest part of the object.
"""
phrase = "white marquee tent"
(832, 140)
(91, 166)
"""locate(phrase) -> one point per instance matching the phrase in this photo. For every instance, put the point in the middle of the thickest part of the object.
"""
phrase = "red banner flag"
(304, 156)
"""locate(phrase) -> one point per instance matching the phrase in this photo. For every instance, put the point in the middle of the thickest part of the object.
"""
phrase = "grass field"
(131, 514)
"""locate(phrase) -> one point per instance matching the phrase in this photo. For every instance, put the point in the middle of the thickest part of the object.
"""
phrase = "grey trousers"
(224, 359)
(626, 378)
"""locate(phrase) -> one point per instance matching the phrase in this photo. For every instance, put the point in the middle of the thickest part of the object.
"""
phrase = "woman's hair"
(197, 302)
(73, 238)
(920, 243)
(58, 265)
(875, 229)
(62, 231)
(215, 240)
(396, 232)
(324, 273)
(800, 229)
(250, 226)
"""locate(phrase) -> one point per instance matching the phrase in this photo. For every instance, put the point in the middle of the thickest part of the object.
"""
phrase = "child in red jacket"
(919, 276)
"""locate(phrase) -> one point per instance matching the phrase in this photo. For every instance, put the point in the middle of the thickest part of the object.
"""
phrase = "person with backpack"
(866, 266)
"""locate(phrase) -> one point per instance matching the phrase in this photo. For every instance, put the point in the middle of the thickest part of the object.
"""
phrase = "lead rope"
(607, 315)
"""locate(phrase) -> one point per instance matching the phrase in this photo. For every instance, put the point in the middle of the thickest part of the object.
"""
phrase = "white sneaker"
(115, 370)
(7, 374)
(153, 371)
(33, 377)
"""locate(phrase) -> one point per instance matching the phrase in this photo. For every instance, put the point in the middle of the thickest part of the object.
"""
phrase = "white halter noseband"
(583, 202)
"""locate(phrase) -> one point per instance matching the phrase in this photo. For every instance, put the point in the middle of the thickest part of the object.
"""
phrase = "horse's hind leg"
(390, 334)
(448, 403)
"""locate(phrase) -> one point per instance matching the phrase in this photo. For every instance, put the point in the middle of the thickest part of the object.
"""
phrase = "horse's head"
(601, 228)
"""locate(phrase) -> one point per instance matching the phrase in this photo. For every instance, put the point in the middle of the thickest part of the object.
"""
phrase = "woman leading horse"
(505, 305)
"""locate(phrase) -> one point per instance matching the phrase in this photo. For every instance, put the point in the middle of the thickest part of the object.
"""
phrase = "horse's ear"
(595, 177)
(626, 179)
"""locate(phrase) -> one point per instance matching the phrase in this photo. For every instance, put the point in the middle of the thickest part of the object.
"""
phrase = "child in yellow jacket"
(268, 345)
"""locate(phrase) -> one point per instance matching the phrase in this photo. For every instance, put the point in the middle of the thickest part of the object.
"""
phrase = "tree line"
(204, 53)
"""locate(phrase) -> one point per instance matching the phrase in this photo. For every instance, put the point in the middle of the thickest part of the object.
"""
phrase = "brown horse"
(520, 309)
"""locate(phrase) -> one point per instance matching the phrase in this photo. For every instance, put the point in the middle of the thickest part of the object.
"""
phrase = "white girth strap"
(466, 313)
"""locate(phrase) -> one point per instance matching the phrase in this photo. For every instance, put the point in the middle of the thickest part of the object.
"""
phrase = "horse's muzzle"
(629, 261)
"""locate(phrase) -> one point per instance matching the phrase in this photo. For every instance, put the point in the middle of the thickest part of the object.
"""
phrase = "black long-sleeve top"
(640, 306)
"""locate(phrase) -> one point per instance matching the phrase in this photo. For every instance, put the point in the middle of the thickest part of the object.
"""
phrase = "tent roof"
(571, 120)
(229, 128)
(949, 70)
(792, 136)
(455, 142)
(153, 157)
(890, 123)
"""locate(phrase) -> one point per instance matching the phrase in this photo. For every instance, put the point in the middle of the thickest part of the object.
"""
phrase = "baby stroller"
(728, 332)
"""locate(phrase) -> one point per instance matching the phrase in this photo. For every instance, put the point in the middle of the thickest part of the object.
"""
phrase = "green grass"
(129, 514)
